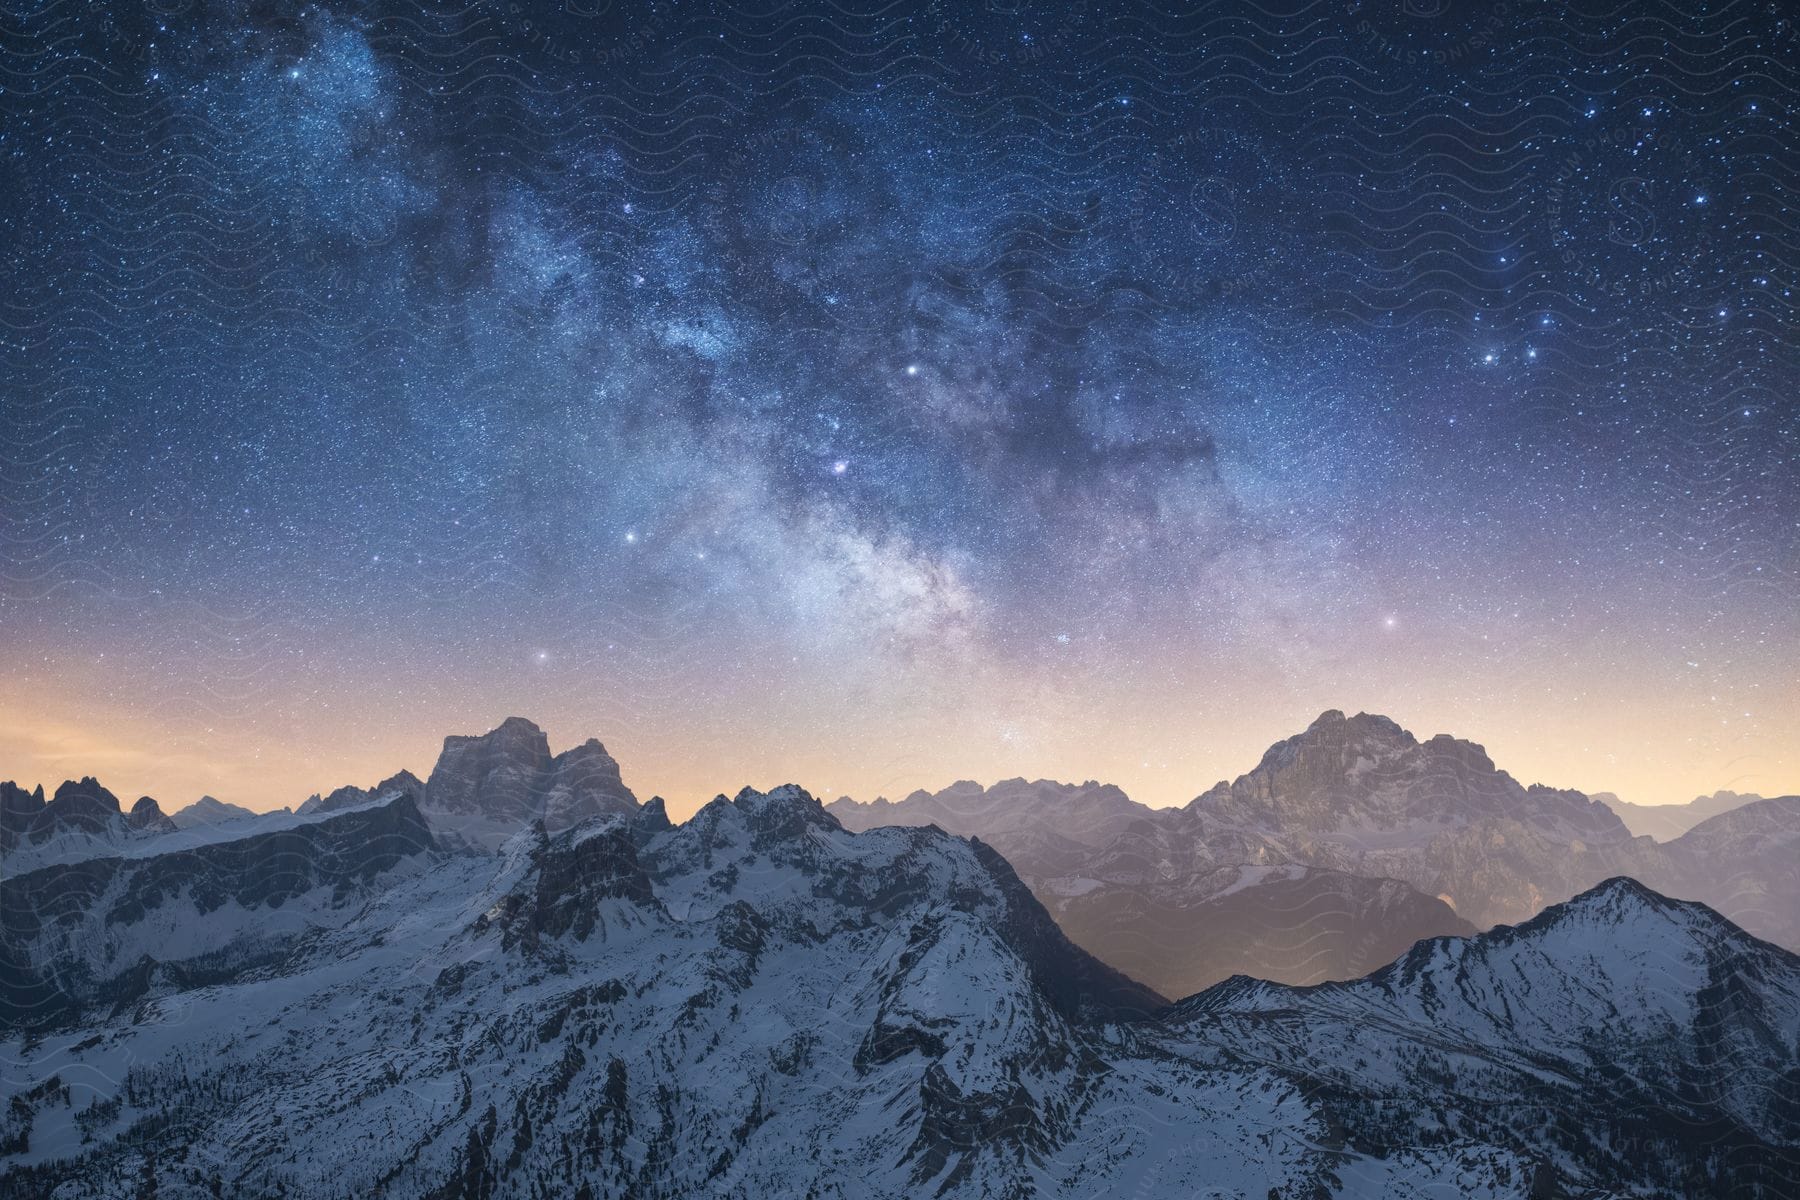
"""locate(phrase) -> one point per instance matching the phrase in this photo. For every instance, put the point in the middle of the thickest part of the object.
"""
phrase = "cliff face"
(84, 933)
(486, 786)
(1365, 775)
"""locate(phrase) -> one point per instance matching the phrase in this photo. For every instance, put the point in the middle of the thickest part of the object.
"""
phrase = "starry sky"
(875, 395)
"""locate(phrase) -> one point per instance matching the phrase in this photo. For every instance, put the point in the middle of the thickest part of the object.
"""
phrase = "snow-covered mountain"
(351, 796)
(103, 930)
(760, 1002)
(80, 820)
(209, 811)
(482, 790)
(1606, 1030)
(1666, 822)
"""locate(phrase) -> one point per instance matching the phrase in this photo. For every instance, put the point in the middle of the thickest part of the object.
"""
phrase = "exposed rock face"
(78, 934)
(82, 820)
(1666, 822)
(1362, 796)
(758, 1002)
(80, 806)
(18, 808)
(1365, 775)
(146, 816)
(485, 787)
(582, 782)
(1135, 886)
(81, 812)
(1380, 839)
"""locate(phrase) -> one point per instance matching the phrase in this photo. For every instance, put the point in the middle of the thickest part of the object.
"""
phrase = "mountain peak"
(517, 733)
(209, 810)
(148, 814)
(1365, 779)
(79, 806)
(1332, 727)
(85, 791)
(508, 774)
(785, 809)
(1619, 893)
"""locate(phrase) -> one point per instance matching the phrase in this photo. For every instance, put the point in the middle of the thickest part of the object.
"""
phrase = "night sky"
(876, 395)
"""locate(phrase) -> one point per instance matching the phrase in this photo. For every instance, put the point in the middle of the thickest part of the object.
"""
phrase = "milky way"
(877, 395)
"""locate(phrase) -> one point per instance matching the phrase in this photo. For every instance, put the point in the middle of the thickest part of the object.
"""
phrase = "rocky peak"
(510, 774)
(782, 813)
(351, 796)
(84, 795)
(79, 806)
(18, 808)
(208, 810)
(1332, 743)
(1620, 898)
(147, 815)
(401, 781)
(650, 820)
(1333, 728)
(1470, 755)
(1368, 773)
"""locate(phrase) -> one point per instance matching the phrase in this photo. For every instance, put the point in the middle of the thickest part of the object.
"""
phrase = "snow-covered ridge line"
(95, 932)
(758, 1000)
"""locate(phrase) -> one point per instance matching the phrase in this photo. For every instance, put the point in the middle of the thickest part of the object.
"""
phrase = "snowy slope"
(1613, 1029)
(759, 1002)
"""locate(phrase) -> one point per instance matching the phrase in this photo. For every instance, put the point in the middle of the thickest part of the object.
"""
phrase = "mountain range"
(483, 788)
(1666, 822)
(1342, 846)
(513, 979)
(758, 1000)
